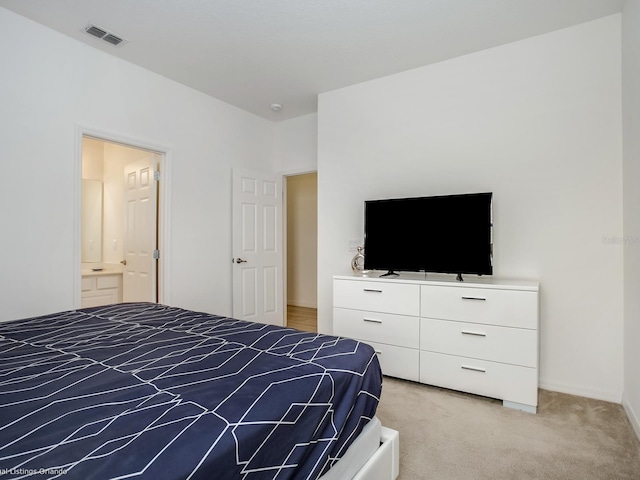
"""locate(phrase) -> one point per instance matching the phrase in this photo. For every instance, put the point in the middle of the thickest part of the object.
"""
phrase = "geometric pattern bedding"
(141, 390)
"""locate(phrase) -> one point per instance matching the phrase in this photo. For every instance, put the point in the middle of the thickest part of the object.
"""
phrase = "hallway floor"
(302, 318)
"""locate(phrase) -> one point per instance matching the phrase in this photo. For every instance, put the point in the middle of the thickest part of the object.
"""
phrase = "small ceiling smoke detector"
(276, 107)
(104, 34)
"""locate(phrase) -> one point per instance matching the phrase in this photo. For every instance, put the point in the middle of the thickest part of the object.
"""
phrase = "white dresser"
(479, 336)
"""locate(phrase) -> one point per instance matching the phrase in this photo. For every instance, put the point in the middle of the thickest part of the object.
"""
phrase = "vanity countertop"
(105, 269)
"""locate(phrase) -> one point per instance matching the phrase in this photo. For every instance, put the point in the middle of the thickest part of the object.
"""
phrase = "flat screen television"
(444, 234)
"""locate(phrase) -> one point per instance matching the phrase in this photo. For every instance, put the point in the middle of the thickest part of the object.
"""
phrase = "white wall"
(50, 84)
(296, 145)
(631, 175)
(538, 123)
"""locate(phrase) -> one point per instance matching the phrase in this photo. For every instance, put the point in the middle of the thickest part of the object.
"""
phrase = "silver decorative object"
(357, 262)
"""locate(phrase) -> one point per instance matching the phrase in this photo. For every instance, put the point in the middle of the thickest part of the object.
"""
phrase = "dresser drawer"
(490, 379)
(400, 330)
(515, 346)
(399, 362)
(515, 308)
(399, 298)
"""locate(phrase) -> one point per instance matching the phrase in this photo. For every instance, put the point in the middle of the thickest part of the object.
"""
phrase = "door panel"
(270, 228)
(249, 294)
(270, 289)
(249, 228)
(257, 247)
(140, 236)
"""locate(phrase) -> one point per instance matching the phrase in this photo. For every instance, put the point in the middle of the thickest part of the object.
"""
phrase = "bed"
(141, 390)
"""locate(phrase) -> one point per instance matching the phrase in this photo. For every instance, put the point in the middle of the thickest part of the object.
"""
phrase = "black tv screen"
(444, 234)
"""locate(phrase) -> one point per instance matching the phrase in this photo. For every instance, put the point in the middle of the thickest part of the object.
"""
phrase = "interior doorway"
(302, 251)
(119, 222)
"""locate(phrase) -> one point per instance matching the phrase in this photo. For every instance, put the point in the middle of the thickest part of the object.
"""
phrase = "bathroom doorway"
(119, 223)
(302, 251)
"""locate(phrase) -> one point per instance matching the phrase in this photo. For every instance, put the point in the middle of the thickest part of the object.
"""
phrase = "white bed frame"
(374, 455)
(384, 464)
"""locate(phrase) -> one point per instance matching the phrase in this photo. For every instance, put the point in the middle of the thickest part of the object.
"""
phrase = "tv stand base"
(390, 273)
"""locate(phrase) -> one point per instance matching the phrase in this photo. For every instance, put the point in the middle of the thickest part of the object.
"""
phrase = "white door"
(139, 274)
(257, 247)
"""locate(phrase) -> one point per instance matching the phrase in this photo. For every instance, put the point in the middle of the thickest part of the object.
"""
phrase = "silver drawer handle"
(475, 369)
(475, 298)
(372, 290)
(372, 320)
(476, 334)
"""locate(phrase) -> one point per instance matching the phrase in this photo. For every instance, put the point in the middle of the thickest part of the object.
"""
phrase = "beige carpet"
(449, 435)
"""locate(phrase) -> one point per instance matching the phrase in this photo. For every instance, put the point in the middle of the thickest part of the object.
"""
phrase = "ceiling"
(253, 53)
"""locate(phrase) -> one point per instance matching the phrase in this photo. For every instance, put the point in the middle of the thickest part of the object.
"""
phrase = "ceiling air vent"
(103, 34)
(95, 31)
(112, 39)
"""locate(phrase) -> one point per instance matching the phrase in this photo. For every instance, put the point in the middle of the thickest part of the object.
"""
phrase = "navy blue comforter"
(149, 391)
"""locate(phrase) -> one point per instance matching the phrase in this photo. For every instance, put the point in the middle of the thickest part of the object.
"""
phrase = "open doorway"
(302, 251)
(119, 223)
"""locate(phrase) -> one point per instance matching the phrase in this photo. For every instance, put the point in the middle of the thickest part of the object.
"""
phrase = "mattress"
(149, 391)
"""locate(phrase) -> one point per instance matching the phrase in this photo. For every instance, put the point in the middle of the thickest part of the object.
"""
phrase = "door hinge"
(156, 254)
(156, 175)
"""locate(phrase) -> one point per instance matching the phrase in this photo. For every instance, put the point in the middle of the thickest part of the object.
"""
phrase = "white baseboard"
(631, 415)
(581, 391)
